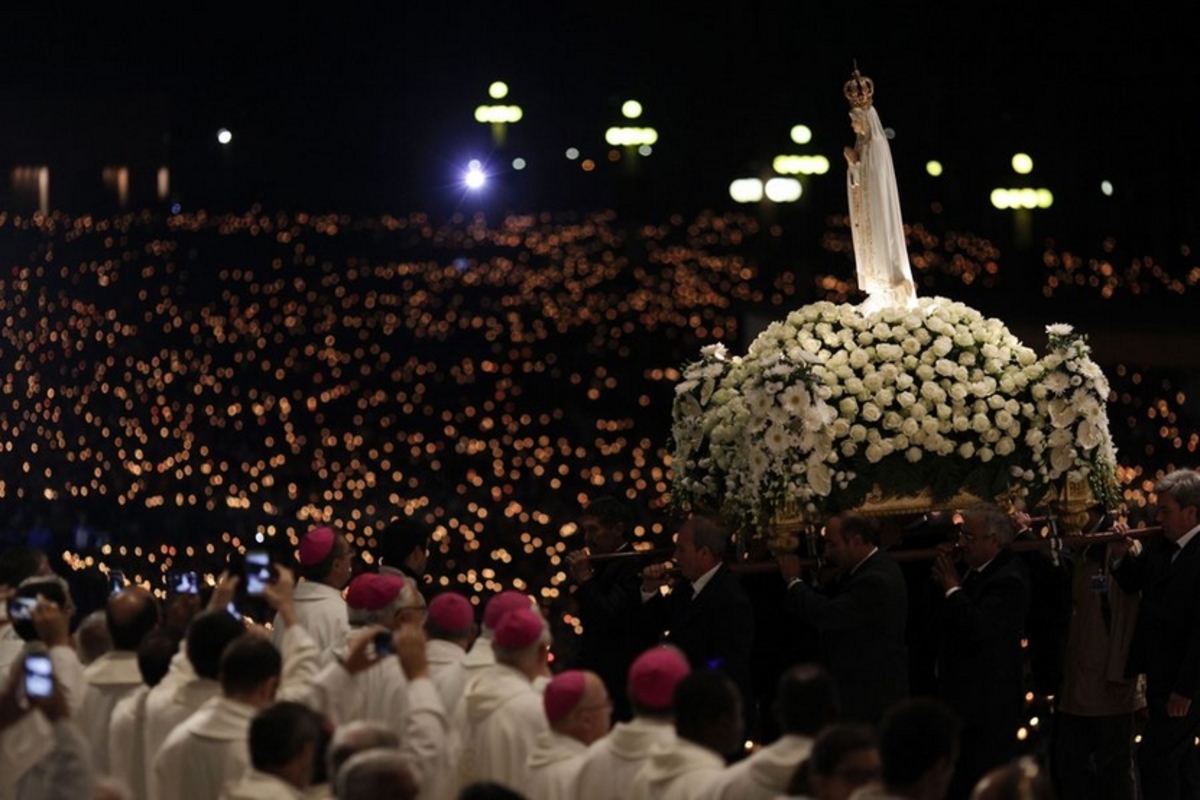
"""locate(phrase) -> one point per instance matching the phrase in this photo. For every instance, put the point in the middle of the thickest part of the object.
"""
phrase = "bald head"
(131, 614)
(590, 717)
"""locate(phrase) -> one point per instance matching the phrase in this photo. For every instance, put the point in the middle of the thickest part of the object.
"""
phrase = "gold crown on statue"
(859, 90)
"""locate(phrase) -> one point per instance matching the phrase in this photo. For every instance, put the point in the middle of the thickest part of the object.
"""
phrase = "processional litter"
(895, 407)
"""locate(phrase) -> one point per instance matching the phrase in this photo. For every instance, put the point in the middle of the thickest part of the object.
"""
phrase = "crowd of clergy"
(362, 687)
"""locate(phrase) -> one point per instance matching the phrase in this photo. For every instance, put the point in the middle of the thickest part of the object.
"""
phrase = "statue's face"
(858, 122)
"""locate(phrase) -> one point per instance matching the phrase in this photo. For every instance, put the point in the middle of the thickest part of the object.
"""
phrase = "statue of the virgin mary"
(880, 252)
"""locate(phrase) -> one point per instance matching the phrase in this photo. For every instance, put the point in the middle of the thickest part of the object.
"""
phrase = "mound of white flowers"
(829, 406)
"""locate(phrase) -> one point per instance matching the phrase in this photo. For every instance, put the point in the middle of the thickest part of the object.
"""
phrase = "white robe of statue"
(880, 252)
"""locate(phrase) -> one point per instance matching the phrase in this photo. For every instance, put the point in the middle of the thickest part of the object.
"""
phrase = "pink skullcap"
(563, 694)
(372, 591)
(654, 675)
(501, 604)
(451, 611)
(519, 629)
(316, 545)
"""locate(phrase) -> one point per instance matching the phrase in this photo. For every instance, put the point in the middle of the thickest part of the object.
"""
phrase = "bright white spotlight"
(801, 134)
(645, 150)
(1022, 164)
(1107, 188)
(224, 136)
(475, 177)
(498, 90)
(934, 168)
(631, 109)
(518, 163)
(572, 153)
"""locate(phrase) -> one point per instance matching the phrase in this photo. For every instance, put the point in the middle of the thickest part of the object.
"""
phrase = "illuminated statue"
(880, 253)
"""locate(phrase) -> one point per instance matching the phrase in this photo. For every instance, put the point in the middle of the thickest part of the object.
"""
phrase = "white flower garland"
(829, 405)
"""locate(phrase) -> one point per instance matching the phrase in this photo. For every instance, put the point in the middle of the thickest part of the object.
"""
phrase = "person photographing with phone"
(42, 754)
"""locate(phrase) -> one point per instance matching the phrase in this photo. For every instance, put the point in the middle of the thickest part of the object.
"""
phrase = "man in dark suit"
(980, 665)
(861, 621)
(1166, 640)
(707, 614)
(607, 593)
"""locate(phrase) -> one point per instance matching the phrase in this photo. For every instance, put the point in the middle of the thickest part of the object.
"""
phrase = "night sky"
(368, 107)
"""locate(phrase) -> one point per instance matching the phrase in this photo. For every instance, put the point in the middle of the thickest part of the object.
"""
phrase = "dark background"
(369, 107)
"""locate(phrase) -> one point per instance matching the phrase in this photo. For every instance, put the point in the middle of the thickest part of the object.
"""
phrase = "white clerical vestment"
(64, 774)
(217, 732)
(446, 670)
(765, 774)
(553, 765)
(681, 770)
(30, 742)
(610, 764)
(384, 689)
(126, 742)
(321, 611)
(256, 785)
(501, 716)
(205, 752)
(111, 677)
(176, 697)
(425, 742)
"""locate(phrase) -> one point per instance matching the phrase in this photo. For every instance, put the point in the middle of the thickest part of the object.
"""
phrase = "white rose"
(986, 454)
(858, 433)
(925, 372)
(1005, 446)
(841, 428)
(980, 423)
(874, 453)
(873, 382)
(848, 407)
(966, 450)
(904, 381)
(913, 454)
(871, 412)
(849, 449)
(859, 359)
(820, 479)
(941, 346)
(962, 423)
(885, 397)
(1034, 438)
(910, 426)
(892, 421)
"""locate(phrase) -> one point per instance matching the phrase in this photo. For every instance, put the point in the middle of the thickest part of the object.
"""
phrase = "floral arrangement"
(830, 406)
(1075, 441)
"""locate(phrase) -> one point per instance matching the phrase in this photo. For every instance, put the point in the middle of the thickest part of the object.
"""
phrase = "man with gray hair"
(375, 773)
(1166, 642)
(353, 738)
(707, 614)
(980, 663)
